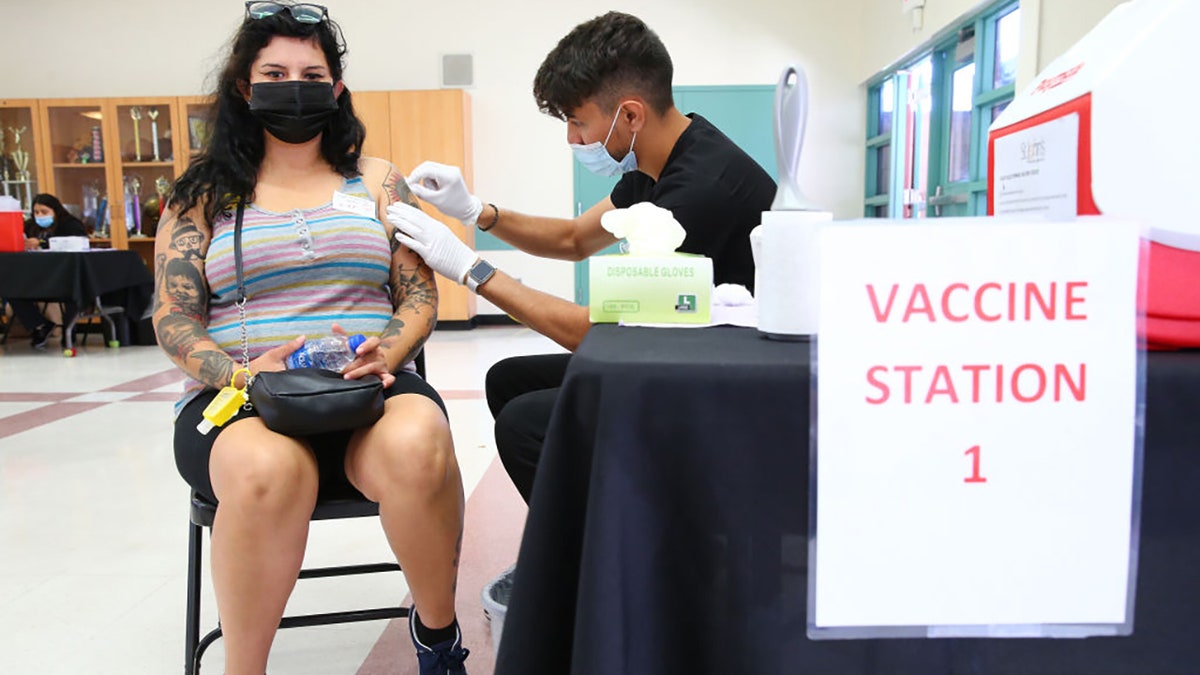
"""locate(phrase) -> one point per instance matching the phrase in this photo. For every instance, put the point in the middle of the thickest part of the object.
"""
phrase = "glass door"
(77, 148)
(147, 145)
(976, 74)
(951, 177)
(19, 138)
(194, 126)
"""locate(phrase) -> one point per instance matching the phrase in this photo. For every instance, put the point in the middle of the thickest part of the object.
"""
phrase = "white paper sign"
(977, 427)
(1037, 170)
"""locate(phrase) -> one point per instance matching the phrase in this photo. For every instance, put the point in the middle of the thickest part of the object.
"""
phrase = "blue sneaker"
(444, 658)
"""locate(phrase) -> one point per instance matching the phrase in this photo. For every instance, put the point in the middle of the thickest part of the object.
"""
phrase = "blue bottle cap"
(355, 340)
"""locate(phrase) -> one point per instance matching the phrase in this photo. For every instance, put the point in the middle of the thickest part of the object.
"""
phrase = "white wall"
(169, 47)
(892, 34)
(1064, 22)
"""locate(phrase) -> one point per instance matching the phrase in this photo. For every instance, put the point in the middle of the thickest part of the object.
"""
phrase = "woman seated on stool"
(284, 140)
(50, 219)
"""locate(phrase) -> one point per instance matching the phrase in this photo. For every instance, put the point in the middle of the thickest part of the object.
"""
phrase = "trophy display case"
(145, 167)
(19, 136)
(76, 148)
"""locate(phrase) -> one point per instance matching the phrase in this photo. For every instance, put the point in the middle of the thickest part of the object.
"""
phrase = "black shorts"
(192, 448)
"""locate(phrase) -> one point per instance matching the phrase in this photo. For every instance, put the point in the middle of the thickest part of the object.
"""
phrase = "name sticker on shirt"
(352, 204)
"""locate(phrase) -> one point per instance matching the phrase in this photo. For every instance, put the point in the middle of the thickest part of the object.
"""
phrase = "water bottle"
(329, 353)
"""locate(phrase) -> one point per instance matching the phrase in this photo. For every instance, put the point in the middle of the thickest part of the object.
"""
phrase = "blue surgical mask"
(595, 158)
(43, 221)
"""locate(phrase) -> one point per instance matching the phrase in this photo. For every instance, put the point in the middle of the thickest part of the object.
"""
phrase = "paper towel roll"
(787, 259)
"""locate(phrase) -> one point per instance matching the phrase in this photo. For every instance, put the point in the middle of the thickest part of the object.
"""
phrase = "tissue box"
(674, 288)
(12, 231)
(69, 243)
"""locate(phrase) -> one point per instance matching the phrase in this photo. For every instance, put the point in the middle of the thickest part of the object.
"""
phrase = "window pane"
(962, 104)
(883, 169)
(887, 99)
(1008, 42)
(999, 108)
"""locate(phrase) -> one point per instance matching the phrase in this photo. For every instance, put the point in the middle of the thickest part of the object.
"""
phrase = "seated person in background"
(50, 219)
(285, 138)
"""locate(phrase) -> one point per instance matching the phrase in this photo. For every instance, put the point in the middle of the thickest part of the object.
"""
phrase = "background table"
(667, 531)
(108, 278)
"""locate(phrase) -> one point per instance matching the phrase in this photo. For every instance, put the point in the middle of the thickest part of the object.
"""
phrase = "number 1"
(974, 452)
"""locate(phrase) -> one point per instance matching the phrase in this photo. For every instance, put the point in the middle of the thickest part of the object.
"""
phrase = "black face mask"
(294, 111)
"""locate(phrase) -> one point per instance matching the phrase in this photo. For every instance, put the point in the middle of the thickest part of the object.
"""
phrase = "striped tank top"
(304, 270)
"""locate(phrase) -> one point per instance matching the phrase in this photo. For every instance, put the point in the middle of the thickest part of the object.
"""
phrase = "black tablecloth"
(119, 278)
(668, 526)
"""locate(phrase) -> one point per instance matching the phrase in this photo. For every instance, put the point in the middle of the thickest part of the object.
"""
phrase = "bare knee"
(266, 480)
(414, 457)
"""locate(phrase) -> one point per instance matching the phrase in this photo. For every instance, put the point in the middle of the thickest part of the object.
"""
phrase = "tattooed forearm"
(178, 334)
(181, 337)
(414, 288)
(216, 368)
(391, 331)
(397, 189)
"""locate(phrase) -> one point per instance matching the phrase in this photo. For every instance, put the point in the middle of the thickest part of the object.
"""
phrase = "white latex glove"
(433, 241)
(443, 186)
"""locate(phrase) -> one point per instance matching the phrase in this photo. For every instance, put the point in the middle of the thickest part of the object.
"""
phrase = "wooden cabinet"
(111, 161)
(409, 127)
(21, 174)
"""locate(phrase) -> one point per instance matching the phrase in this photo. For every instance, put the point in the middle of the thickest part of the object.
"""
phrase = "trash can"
(495, 603)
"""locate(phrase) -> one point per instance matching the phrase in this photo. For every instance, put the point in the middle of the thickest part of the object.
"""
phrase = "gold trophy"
(135, 113)
(15, 134)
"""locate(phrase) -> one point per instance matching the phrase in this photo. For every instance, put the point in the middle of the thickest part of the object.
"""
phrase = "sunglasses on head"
(303, 12)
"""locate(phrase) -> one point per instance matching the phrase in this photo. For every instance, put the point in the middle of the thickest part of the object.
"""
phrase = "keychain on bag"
(225, 404)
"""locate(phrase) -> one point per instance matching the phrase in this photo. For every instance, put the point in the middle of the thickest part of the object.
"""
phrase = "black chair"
(202, 513)
(201, 516)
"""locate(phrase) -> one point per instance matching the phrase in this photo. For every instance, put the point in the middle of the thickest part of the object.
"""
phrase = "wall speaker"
(457, 70)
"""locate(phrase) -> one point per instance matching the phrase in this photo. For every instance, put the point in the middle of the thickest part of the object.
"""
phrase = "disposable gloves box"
(667, 288)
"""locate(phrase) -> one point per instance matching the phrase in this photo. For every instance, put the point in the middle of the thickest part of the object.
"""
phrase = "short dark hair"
(605, 58)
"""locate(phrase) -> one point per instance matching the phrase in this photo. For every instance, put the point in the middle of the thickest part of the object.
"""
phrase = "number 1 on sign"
(974, 477)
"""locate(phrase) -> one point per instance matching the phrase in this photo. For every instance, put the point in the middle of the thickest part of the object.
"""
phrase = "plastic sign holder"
(977, 445)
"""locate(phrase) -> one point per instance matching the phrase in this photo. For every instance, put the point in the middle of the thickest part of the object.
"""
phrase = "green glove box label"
(674, 288)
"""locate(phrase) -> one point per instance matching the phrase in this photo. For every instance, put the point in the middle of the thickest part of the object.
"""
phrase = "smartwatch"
(479, 273)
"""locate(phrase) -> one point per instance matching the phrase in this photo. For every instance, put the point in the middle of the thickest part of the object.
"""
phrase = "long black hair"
(61, 214)
(227, 168)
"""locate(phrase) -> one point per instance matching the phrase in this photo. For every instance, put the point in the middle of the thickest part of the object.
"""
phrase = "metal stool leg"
(192, 641)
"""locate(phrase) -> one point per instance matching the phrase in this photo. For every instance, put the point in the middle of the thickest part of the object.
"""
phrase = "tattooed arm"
(414, 291)
(181, 296)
